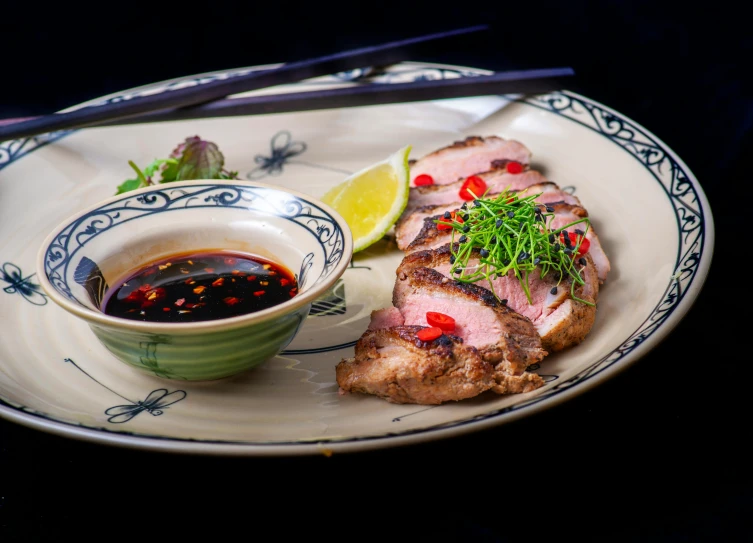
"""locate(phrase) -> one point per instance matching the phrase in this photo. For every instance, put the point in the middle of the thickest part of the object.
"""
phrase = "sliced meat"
(394, 364)
(560, 320)
(503, 337)
(466, 157)
(409, 225)
(385, 318)
(429, 237)
(565, 214)
(497, 179)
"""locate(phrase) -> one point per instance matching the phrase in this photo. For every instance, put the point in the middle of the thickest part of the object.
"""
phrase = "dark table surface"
(658, 453)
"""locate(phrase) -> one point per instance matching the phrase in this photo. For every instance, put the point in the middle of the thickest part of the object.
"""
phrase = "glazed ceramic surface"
(87, 253)
(650, 212)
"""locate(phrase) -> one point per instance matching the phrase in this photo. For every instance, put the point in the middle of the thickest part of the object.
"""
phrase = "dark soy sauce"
(200, 286)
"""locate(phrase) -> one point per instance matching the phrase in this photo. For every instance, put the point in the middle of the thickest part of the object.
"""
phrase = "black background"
(659, 453)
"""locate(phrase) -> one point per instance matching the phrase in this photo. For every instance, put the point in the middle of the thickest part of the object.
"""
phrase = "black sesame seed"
(476, 203)
(506, 262)
(498, 223)
(550, 209)
(452, 259)
(556, 247)
(582, 261)
(536, 261)
(503, 301)
(493, 241)
(467, 228)
(510, 214)
(484, 253)
(464, 206)
(579, 232)
(522, 256)
(447, 215)
(566, 238)
(568, 251)
(464, 216)
(551, 238)
(462, 239)
(553, 291)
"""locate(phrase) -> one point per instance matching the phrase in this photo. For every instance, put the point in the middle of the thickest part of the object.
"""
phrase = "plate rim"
(101, 435)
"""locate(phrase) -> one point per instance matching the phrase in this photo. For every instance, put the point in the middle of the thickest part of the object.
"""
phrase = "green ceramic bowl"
(85, 254)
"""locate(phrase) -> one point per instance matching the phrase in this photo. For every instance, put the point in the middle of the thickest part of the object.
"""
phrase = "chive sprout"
(515, 234)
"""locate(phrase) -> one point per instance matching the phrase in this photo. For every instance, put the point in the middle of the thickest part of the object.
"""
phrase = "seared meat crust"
(394, 364)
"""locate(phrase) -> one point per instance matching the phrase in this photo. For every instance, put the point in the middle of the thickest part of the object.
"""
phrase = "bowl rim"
(178, 328)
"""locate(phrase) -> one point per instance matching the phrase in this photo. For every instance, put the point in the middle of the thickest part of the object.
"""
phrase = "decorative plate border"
(678, 183)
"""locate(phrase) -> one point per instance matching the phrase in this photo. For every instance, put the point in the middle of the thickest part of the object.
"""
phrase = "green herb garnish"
(193, 159)
(513, 233)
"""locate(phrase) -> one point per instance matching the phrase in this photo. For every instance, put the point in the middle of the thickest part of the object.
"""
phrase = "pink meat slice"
(386, 318)
(466, 157)
(503, 337)
(566, 214)
(497, 180)
(560, 320)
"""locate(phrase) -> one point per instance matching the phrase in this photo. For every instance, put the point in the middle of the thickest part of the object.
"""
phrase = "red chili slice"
(473, 184)
(446, 224)
(429, 334)
(441, 321)
(423, 179)
(514, 167)
(585, 244)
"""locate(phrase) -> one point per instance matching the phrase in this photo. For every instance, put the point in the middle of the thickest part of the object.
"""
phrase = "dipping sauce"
(200, 286)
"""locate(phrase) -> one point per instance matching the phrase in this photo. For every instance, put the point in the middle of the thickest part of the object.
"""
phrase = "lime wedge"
(372, 199)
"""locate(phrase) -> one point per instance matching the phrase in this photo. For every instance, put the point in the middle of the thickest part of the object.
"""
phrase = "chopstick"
(388, 53)
(510, 82)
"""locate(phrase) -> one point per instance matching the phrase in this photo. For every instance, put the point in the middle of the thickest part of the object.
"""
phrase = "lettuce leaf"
(193, 158)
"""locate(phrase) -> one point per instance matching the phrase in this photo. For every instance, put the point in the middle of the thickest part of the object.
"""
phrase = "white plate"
(648, 209)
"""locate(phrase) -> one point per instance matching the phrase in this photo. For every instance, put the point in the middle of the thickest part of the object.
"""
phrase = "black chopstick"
(535, 81)
(389, 53)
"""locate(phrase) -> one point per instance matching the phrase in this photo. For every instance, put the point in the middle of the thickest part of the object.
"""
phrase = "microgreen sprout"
(510, 233)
